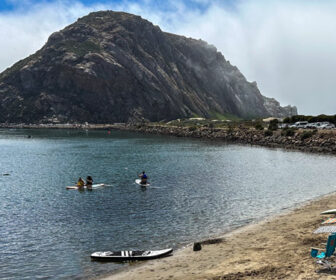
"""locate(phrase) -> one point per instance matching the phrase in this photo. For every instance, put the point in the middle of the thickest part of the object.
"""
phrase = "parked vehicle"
(312, 125)
(316, 125)
(327, 126)
(283, 125)
(301, 124)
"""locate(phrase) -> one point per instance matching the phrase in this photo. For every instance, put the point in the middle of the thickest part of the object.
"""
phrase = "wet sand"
(277, 248)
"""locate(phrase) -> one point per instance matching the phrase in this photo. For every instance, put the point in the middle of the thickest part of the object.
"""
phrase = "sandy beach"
(276, 248)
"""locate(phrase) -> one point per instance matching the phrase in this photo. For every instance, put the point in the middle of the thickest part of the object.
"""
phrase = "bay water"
(199, 189)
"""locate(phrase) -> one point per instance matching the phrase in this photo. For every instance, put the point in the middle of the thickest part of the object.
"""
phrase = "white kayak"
(138, 181)
(130, 255)
(95, 186)
(329, 212)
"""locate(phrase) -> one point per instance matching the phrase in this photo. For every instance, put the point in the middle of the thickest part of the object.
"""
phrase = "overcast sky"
(287, 47)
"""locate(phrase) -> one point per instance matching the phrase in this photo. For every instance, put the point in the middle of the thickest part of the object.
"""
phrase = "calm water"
(199, 189)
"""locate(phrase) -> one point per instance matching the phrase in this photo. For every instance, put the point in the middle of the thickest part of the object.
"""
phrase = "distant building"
(196, 119)
(267, 120)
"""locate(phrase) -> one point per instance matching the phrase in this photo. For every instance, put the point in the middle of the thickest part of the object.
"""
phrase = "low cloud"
(26, 29)
(286, 46)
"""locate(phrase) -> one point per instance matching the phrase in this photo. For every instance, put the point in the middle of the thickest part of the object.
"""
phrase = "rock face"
(274, 109)
(117, 67)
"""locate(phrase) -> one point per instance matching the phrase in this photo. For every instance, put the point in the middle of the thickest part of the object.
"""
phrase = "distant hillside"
(117, 67)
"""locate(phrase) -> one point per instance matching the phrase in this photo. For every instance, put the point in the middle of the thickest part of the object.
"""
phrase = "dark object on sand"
(119, 256)
(213, 241)
(197, 246)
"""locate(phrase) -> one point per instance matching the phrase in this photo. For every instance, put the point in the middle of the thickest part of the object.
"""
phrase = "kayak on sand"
(130, 255)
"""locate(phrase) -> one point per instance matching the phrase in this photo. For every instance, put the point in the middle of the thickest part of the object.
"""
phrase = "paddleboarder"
(143, 178)
(89, 182)
(80, 183)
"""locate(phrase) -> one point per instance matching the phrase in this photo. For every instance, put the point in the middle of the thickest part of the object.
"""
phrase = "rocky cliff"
(274, 109)
(117, 67)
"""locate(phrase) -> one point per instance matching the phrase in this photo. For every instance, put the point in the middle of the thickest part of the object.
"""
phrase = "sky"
(287, 46)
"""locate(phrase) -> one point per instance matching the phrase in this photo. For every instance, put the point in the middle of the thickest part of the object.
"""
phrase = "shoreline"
(312, 141)
(323, 141)
(277, 247)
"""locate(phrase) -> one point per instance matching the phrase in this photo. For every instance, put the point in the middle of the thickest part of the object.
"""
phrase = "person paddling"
(143, 178)
(89, 182)
(80, 183)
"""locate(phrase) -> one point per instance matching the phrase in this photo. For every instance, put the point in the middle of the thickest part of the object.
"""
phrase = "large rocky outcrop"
(274, 109)
(117, 67)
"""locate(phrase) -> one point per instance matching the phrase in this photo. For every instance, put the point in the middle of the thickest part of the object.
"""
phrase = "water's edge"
(308, 140)
(223, 235)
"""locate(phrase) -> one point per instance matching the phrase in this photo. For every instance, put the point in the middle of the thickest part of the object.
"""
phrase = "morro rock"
(116, 67)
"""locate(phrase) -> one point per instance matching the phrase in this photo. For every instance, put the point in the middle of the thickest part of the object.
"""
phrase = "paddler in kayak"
(80, 183)
(89, 182)
(143, 178)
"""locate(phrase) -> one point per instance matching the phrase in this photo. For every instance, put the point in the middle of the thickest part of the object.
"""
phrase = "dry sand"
(278, 248)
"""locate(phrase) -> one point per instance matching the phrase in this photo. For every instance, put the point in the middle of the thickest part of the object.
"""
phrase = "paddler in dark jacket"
(89, 182)
(143, 178)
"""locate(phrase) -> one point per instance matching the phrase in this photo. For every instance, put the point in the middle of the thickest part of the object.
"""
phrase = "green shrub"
(81, 48)
(211, 125)
(230, 129)
(319, 118)
(259, 126)
(192, 128)
(273, 125)
(287, 120)
(308, 134)
(288, 132)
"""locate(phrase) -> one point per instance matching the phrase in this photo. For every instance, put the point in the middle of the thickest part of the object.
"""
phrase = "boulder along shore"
(306, 140)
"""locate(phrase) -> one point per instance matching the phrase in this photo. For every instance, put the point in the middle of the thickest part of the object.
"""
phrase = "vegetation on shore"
(311, 119)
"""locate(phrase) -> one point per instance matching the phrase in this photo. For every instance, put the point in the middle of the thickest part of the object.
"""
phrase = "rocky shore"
(317, 141)
(322, 141)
